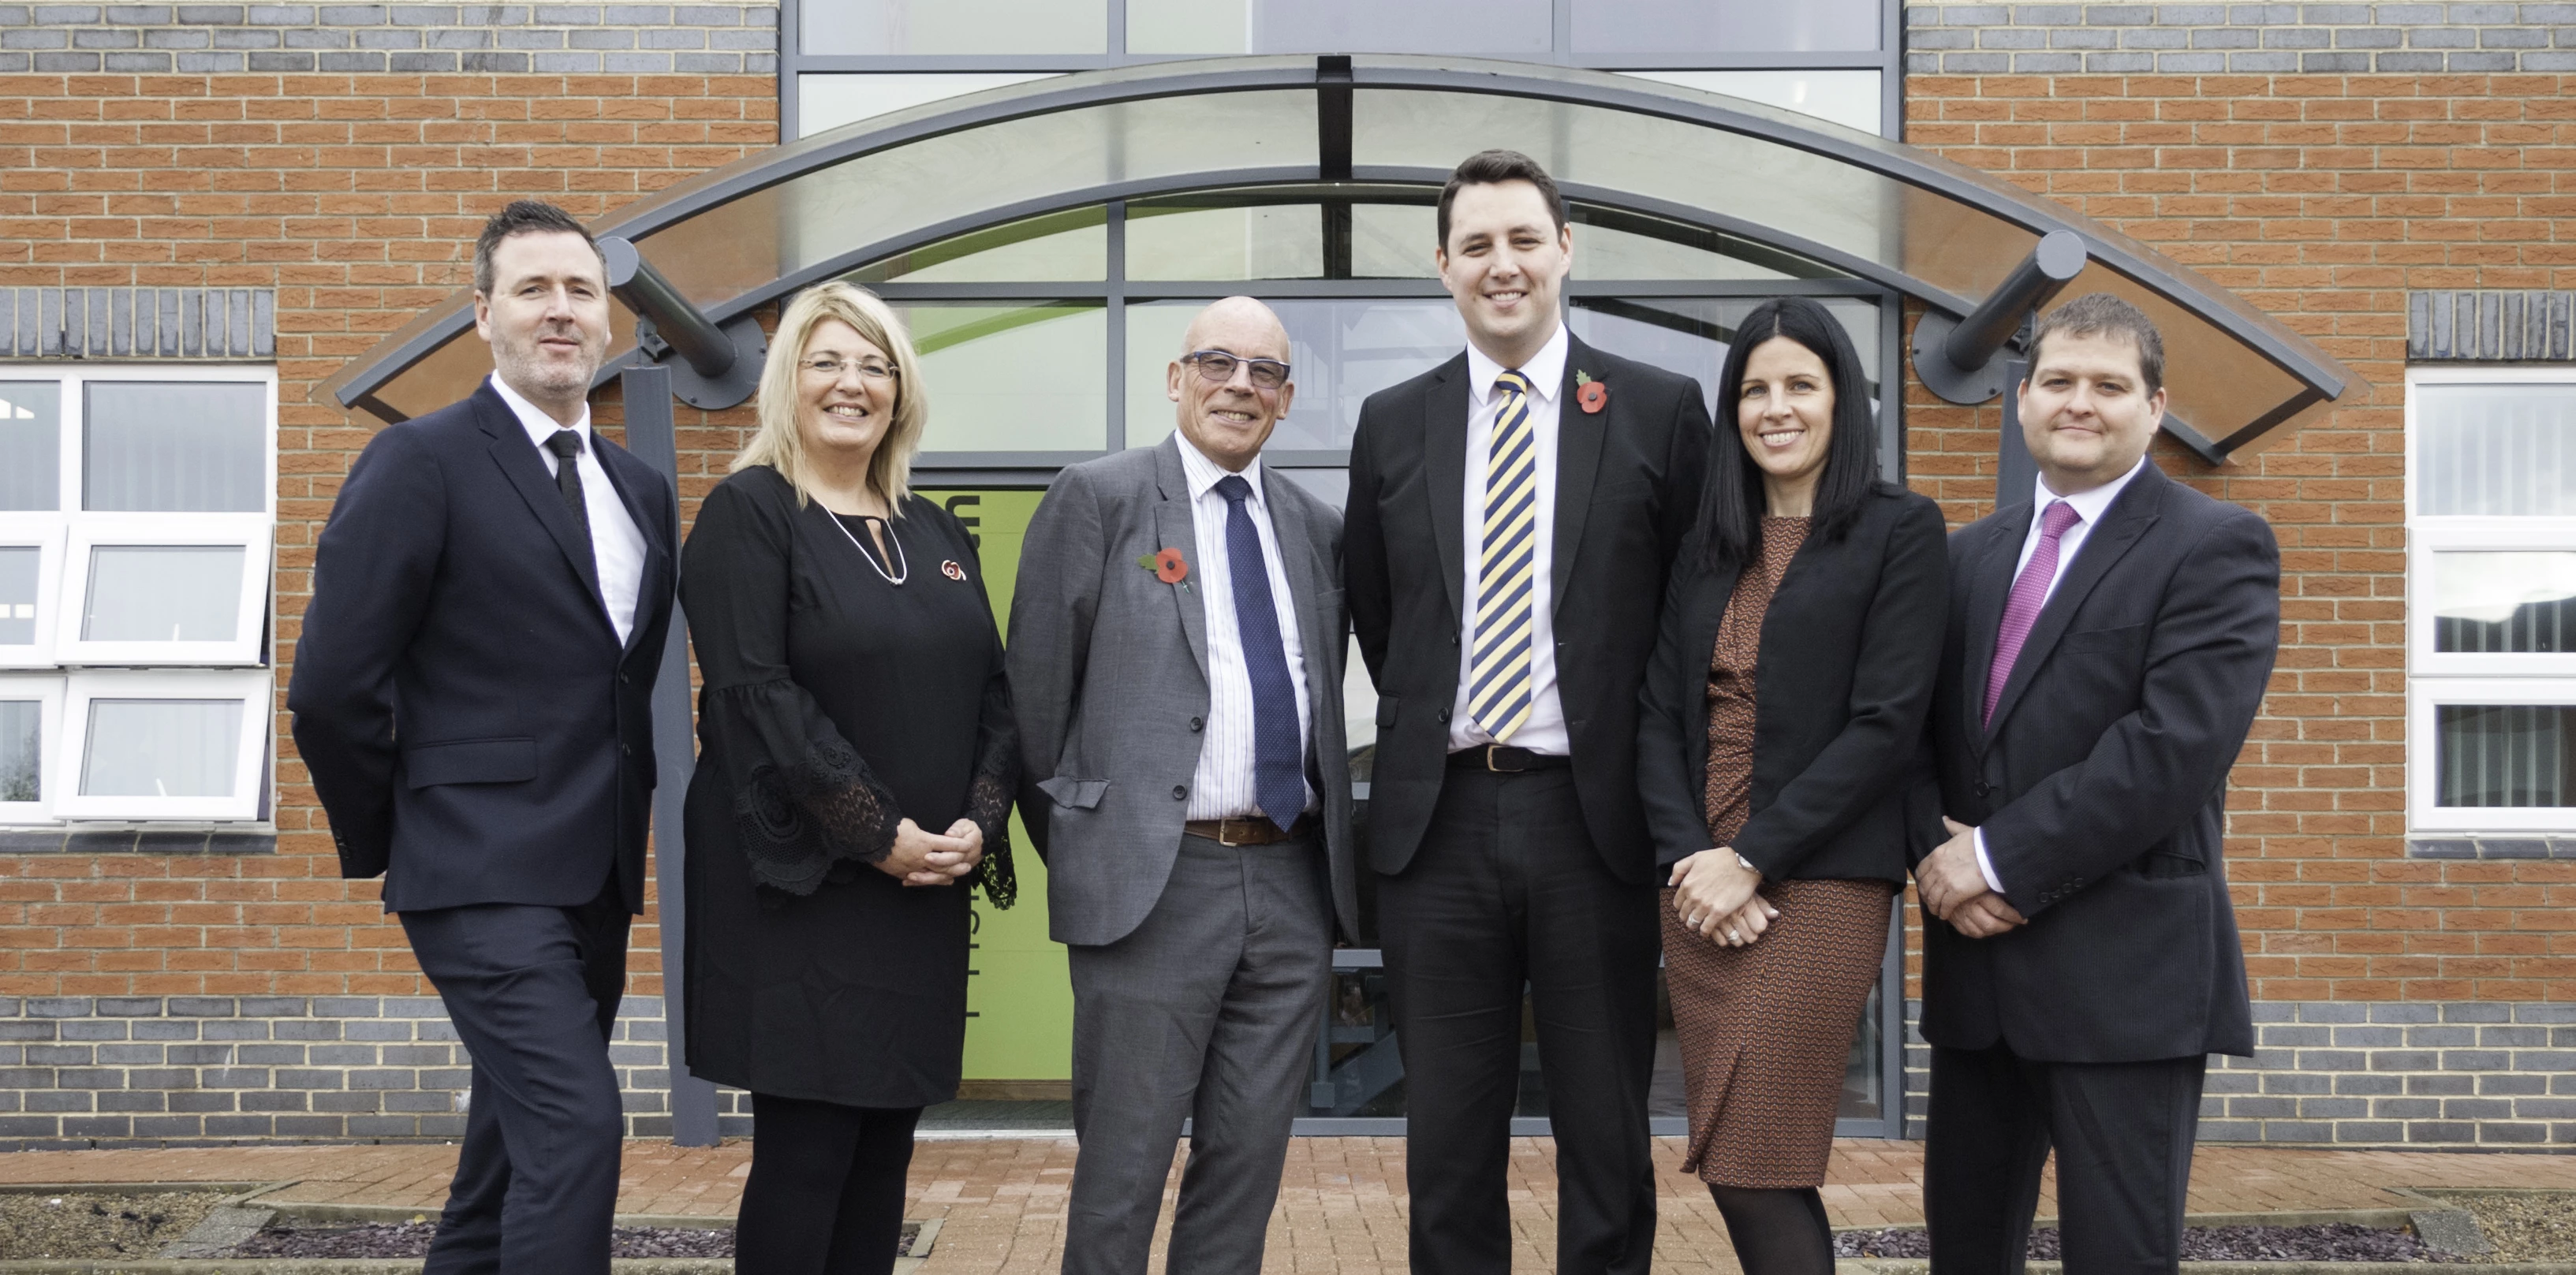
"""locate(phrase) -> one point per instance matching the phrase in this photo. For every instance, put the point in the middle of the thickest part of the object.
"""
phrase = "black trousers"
(533, 992)
(826, 1189)
(1506, 889)
(2123, 1136)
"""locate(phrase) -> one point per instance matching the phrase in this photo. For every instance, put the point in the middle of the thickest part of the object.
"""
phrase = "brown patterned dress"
(1766, 1029)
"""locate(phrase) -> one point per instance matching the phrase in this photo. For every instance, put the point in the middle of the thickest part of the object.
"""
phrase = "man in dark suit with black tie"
(2109, 641)
(472, 696)
(1512, 514)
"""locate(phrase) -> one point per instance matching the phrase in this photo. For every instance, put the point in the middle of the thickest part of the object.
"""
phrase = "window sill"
(174, 838)
(2505, 846)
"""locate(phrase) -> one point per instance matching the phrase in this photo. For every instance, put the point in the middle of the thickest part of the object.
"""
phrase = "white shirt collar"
(2089, 505)
(1203, 473)
(533, 418)
(1545, 370)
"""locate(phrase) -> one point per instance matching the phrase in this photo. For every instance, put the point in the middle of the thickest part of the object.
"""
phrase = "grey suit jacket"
(1109, 676)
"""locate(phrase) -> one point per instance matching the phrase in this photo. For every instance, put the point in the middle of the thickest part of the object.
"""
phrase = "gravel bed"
(2339, 1242)
(287, 1238)
(97, 1226)
(2524, 1226)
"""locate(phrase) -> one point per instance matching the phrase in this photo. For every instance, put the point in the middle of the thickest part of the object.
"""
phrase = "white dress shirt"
(2089, 508)
(616, 543)
(1224, 786)
(1544, 732)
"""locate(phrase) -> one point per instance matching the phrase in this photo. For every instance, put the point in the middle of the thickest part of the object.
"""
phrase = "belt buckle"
(1222, 834)
(1492, 751)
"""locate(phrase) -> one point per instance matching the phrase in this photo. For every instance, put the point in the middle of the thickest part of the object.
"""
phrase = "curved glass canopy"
(1666, 171)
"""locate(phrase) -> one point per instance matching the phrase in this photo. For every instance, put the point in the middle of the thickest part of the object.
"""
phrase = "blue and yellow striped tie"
(1498, 677)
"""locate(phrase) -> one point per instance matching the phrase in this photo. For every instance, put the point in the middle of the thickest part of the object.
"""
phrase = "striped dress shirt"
(1222, 787)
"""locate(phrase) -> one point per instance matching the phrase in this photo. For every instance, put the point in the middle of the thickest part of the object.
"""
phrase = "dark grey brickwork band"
(138, 323)
(2468, 326)
(1965, 37)
(303, 39)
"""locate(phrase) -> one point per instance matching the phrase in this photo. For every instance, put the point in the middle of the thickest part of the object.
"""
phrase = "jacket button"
(624, 680)
(1444, 714)
(1180, 792)
(1453, 639)
(627, 749)
(1983, 788)
(1197, 724)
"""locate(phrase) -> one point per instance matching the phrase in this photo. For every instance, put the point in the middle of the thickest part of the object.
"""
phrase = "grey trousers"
(1206, 1012)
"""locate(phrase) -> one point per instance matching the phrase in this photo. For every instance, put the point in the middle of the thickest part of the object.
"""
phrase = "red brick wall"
(357, 198)
(2321, 199)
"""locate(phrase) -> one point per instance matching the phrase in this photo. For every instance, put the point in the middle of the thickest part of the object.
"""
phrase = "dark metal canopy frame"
(1833, 212)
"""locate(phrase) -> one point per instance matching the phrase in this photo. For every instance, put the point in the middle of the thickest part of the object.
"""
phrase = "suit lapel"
(1578, 459)
(1173, 529)
(1989, 587)
(1305, 587)
(1444, 459)
(526, 471)
(2128, 517)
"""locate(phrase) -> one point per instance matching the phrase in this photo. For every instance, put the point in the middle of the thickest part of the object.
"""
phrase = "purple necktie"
(2029, 590)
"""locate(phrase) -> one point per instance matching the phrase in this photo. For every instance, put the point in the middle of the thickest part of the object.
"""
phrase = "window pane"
(1394, 241)
(1013, 378)
(2508, 755)
(1520, 28)
(164, 593)
(1343, 351)
(31, 432)
(1068, 247)
(1691, 336)
(169, 447)
(883, 28)
(1682, 27)
(18, 595)
(2505, 450)
(1616, 245)
(21, 745)
(828, 100)
(1279, 241)
(162, 748)
(2504, 603)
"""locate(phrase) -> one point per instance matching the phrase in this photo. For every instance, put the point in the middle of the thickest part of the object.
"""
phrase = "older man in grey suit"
(1176, 660)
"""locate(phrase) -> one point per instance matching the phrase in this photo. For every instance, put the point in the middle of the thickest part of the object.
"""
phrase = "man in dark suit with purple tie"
(2111, 633)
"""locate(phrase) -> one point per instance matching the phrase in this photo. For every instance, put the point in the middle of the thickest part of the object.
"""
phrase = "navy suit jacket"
(2101, 781)
(470, 721)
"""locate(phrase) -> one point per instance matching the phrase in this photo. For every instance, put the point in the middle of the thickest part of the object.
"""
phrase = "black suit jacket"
(2101, 783)
(1628, 481)
(471, 724)
(1849, 653)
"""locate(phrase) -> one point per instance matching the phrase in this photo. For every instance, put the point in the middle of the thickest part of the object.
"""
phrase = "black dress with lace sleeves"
(842, 693)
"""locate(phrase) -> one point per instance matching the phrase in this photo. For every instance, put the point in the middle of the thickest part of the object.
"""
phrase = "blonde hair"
(780, 444)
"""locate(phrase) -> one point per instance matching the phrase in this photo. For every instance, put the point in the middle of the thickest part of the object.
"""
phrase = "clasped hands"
(1956, 891)
(1713, 892)
(922, 858)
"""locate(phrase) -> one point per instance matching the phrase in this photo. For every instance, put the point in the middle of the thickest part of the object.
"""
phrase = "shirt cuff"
(1985, 866)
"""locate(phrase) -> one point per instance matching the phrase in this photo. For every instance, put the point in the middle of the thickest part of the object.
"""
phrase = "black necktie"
(1278, 770)
(566, 445)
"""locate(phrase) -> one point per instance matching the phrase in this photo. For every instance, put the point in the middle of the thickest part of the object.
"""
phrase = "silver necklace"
(903, 564)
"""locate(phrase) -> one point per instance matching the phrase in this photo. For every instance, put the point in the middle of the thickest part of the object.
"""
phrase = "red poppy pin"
(1590, 394)
(951, 570)
(1168, 566)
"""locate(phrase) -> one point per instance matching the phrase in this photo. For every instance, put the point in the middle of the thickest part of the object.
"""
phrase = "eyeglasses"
(873, 369)
(1216, 367)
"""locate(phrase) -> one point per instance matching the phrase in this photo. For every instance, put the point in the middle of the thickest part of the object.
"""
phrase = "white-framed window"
(137, 507)
(2491, 581)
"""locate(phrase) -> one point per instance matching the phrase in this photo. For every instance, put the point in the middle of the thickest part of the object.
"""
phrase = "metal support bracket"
(717, 367)
(1955, 358)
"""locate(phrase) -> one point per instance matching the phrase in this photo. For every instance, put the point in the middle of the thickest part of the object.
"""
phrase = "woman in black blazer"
(1782, 712)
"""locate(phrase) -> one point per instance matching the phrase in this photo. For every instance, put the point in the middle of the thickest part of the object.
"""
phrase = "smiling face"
(1229, 421)
(842, 417)
(1505, 263)
(1785, 414)
(546, 317)
(2085, 412)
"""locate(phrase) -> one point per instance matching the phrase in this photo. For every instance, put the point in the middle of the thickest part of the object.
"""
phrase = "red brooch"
(951, 570)
(1168, 566)
(1589, 394)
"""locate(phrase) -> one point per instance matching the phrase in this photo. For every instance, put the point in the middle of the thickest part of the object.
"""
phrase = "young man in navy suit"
(2111, 633)
(472, 697)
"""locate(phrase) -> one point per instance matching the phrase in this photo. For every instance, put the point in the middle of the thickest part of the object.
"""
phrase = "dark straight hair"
(1730, 506)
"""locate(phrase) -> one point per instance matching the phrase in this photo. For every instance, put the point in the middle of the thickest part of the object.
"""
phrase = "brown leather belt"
(1248, 830)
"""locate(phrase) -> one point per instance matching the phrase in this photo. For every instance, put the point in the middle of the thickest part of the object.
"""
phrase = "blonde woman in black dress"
(1800, 637)
(856, 768)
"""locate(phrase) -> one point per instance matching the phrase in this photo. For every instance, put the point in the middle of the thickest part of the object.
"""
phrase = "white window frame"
(44, 533)
(75, 442)
(2435, 679)
(47, 690)
(248, 531)
(250, 760)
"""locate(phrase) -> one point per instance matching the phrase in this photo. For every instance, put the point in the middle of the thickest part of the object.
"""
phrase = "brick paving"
(1341, 1202)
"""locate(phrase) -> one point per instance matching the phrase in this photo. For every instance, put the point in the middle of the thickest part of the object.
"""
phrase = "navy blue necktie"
(1279, 767)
